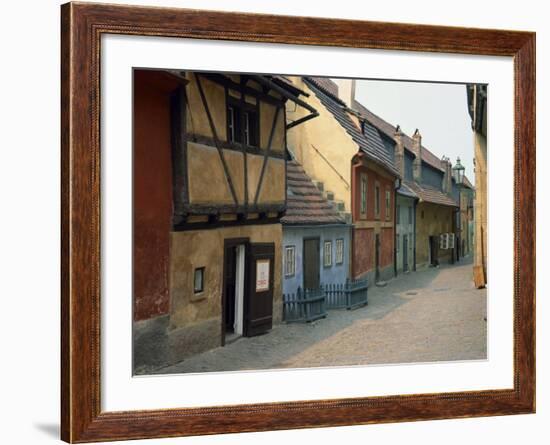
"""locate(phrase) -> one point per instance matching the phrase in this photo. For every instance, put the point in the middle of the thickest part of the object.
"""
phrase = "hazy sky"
(438, 110)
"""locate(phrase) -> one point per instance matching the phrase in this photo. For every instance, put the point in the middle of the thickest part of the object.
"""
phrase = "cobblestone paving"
(424, 316)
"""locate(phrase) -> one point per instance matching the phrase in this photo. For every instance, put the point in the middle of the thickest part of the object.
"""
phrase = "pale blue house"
(316, 236)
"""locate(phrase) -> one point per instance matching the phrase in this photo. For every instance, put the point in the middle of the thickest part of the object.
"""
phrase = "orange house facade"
(373, 215)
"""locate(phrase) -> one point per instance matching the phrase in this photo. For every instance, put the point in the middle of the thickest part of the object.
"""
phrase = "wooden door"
(311, 263)
(434, 250)
(405, 253)
(258, 304)
(377, 257)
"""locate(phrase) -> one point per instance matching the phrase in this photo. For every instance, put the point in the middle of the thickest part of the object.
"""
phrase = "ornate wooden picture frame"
(82, 26)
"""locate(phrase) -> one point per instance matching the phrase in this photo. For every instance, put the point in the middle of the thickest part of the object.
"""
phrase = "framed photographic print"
(279, 222)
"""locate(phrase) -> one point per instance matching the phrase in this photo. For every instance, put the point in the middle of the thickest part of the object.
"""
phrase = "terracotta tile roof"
(431, 194)
(388, 129)
(370, 142)
(305, 203)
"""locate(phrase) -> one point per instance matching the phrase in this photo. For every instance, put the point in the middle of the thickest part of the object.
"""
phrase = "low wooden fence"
(312, 304)
(304, 305)
(349, 295)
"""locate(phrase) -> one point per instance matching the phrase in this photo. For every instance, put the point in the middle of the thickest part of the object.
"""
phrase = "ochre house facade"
(210, 171)
(477, 108)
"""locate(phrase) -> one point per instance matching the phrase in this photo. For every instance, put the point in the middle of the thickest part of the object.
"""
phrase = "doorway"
(312, 263)
(234, 290)
(377, 257)
(405, 253)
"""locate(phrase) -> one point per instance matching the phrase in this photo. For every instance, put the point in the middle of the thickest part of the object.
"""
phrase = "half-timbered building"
(209, 193)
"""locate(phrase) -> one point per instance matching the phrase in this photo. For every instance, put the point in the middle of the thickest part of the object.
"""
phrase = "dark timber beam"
(217, 140)
(266, 155)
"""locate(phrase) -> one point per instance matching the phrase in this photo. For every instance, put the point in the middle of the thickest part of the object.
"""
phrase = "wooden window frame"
(240, 117)
(82, 418)
(291, 248)
(377, 206)
(339, 256)
(363, 194)
(202, 271)
(387, 204)
(329, 244)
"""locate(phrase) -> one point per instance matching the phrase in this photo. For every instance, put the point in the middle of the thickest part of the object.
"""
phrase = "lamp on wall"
(458, 172)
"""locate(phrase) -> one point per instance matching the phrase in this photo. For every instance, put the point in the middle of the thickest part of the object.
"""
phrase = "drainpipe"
(414, 231)
(394, 232)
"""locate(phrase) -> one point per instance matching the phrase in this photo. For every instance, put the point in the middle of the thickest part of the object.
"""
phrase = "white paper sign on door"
(262, 275)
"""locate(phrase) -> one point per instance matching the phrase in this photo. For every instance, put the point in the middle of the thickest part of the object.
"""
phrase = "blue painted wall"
(294, 236)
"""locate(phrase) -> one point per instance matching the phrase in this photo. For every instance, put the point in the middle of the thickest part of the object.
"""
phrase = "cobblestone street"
(429, 315)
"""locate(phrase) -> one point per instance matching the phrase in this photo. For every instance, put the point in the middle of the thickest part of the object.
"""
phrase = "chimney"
(346, 91)
(399, 151)
(417, 149)
(447, 185)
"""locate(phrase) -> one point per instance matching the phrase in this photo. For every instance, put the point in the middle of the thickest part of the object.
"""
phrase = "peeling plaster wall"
(205, 248)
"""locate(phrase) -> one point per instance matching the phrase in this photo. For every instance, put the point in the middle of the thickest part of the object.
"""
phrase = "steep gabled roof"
(305, 203)
(370, 142)
(431, 194)
(388, 129)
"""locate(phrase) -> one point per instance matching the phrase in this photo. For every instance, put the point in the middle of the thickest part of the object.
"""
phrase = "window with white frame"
(377, 200)
(290, 261)
(388, 205)
(339, 251)
(363, 204)
(327, 254)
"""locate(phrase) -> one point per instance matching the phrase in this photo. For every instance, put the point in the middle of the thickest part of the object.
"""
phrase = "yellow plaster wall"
(273, 186)
(196, 117)
(325, 133)
(207, 180)
(480, 201)
(204, 248)
(267, 112)
(437, 219)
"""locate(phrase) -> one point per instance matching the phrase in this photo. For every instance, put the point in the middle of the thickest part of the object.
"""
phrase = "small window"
(242, 124)
(410, 215)
(290, 261)
(327, 257)
(199, 280)
(397, 214)
(339, 251)
(377, 200)
(363, 206)
(388, 205)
